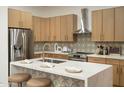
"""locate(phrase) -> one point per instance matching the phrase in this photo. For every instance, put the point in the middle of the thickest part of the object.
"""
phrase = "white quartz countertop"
(52, 52)
(88, 69)
(107, 56)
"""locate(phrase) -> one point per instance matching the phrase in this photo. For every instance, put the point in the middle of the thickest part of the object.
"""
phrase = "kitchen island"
(92, 75)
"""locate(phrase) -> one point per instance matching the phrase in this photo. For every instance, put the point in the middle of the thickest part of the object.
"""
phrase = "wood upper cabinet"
(63, 28)
(19, 19)
(57, 28)
(13, 18)
(47, 31)
(71, 26)
(52, 29)
(68, 26)
(108, 25)
(37, 28)
(26, 19)
(97, 25)
(43, 29)
(119, 24)
(116, 73)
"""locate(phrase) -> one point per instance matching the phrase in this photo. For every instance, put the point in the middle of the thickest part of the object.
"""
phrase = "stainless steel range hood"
(83, 22)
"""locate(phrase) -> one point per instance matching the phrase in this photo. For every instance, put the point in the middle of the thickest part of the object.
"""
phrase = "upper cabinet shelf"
(19, 19)
(107, 24)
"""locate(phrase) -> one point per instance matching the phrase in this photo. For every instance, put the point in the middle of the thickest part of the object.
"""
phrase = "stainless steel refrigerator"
(20, 44)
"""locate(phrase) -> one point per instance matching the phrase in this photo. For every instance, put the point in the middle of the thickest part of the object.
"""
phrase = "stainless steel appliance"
(79, 56)
(20, 44)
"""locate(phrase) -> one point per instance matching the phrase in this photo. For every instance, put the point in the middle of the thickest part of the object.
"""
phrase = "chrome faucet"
(43, 54)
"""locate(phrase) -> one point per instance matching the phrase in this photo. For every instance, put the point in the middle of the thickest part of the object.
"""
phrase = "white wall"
(3, 45)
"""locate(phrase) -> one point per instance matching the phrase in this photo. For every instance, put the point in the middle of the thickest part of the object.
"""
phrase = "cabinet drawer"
(37, 55)
(60, 56)
(112, 61)
(97, 60)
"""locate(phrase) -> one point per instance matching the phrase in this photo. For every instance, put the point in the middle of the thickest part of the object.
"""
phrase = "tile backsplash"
(83, 44)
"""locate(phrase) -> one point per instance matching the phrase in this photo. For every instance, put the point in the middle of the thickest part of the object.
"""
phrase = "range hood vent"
(83, 22)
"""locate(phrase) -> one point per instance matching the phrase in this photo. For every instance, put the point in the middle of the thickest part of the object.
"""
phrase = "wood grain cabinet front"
(122, 73)
(118, 68)
(97, 60)
(116, 71)
(119, 21)
(19, 19)
(107, 24)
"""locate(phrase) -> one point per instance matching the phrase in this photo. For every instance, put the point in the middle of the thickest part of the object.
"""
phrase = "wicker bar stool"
(18, 78)
(39, 82)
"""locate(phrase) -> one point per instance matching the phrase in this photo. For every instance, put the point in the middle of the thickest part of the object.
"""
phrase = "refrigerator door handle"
(23, 45)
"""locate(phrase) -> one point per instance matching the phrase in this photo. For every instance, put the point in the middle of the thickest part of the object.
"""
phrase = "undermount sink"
(53, 61)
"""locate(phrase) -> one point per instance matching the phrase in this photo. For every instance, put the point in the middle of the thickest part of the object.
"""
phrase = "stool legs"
(19, 84)
(10, 84)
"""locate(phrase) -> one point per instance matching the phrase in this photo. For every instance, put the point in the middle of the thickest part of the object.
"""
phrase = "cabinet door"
(52, 29)
(97, 25)
(119, 24)
(97, 60)
(122, 73)
(63, 28)
(108, 24)
(115, 64)
(71, 26)
(47, 38)
(36, 28)
(57, 28)
(43, 29)
(26, 20)
(14, 18)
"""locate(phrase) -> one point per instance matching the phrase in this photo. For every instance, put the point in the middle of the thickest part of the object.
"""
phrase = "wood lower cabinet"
(19, 19)
(122, 73)
(118, 68)
(37, 55)
(50, 55)
(96, 60)
(116, 73)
